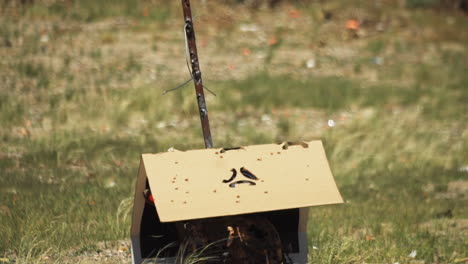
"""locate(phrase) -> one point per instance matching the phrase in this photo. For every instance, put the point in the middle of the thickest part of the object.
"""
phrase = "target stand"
(276, 182)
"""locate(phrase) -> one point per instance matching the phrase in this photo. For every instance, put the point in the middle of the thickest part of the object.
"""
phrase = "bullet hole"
(303, 144)
(227, 149)
(233, 176)
(248, 174)
(232, 185)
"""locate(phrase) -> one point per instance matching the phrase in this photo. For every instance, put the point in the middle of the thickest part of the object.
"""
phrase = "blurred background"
(383, 83)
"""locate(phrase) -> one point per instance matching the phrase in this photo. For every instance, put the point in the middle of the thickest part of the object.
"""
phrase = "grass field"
(81, 97)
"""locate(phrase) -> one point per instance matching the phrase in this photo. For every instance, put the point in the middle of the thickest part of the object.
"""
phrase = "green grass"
(327, 93)
(77, 110)
(88, 10)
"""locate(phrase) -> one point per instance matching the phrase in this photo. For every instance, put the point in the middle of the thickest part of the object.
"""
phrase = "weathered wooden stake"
(196, 72)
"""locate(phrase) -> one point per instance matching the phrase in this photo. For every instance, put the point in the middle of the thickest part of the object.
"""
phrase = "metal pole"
(196, 73)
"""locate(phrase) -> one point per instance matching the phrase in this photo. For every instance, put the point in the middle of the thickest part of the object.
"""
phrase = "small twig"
(185, 83)
(179, 86)
(206, 88)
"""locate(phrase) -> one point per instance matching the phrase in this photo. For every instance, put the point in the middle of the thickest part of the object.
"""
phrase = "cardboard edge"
(138, 207)
(170, 220)
(331, 172)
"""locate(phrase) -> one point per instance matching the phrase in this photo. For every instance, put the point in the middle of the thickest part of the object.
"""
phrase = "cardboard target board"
(209, 183)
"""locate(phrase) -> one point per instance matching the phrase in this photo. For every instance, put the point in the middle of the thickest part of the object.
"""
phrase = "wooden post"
(196, 72)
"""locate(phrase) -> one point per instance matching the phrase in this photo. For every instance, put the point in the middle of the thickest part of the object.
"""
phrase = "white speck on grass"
(248, 28)
(153, 74)
(413, 254)
(314, 247)
(266, 119)
(331, 123)
(311, 63)
(44, 38)
(378, 60)
(110, 184)
(161, 125)
(173, 123)
(463, 168)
